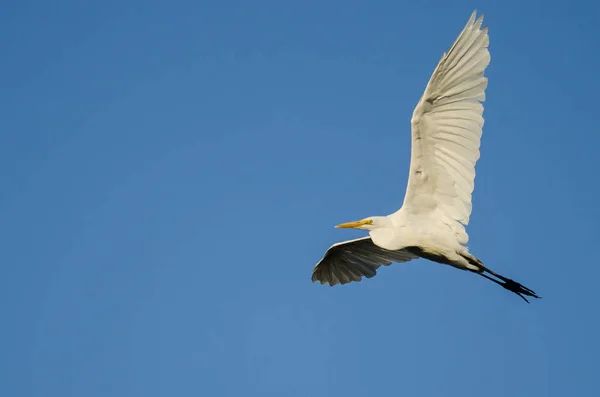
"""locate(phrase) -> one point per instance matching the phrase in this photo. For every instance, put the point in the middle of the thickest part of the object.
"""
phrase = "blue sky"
(171, 172)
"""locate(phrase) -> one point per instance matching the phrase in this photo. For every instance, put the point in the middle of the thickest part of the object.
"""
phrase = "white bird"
(446, 133)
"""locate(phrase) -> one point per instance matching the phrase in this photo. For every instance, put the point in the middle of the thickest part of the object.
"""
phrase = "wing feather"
(446, 131)
(354, 259)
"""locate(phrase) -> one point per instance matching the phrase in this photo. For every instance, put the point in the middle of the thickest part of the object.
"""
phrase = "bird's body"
(446, 133)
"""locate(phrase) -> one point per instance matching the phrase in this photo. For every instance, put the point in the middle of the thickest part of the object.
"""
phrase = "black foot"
(512, 286)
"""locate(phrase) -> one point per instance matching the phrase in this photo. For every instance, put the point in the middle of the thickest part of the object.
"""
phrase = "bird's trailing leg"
(477, 268)
(513, 286)
(504, 282)
(509, 284)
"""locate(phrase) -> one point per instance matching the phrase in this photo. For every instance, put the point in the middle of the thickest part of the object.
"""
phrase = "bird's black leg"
(503, 285)
(505, 282)
(510, 285)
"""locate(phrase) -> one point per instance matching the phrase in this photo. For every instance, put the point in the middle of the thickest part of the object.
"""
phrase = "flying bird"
(446, 134)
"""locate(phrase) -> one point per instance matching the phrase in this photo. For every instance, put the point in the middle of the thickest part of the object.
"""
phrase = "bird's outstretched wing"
(351, 260)
(446, 131)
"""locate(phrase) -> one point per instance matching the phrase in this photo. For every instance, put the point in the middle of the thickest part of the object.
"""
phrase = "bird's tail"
(504, 282)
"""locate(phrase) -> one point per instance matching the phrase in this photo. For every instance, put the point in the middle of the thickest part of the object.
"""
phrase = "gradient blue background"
(172, 170)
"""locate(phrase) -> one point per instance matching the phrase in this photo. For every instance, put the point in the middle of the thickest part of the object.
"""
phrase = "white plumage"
(446, 134)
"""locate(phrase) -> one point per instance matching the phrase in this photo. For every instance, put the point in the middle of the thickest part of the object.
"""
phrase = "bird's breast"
(389, 239)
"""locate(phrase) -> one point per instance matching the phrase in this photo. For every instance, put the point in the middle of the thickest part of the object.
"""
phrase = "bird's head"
(370, 223)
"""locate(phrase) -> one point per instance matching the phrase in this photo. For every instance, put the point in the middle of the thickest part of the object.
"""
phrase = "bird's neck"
(385, 236)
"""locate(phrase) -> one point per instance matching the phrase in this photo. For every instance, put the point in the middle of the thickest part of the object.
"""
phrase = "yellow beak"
(354, 225)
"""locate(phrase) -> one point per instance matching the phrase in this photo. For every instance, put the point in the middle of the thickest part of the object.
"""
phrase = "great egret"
(446, 133)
